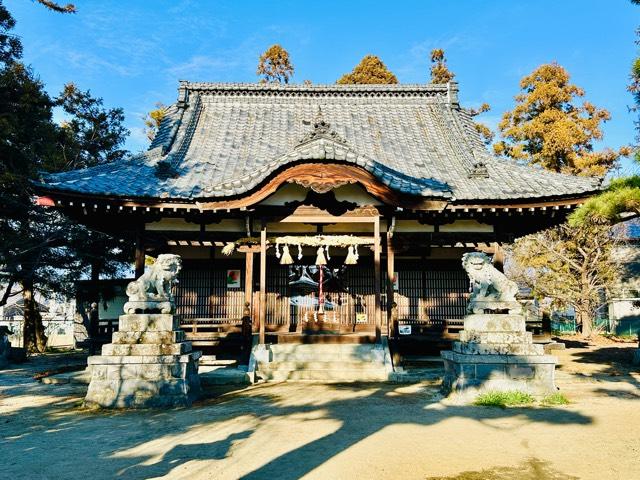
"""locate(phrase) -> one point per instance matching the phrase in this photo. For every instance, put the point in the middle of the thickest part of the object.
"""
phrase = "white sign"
(404, 329)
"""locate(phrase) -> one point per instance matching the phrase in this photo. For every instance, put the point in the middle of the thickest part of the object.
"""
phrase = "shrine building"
(317, 211)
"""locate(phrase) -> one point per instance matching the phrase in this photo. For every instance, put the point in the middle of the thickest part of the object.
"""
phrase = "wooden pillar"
(248, 282)
(390, 291)
(139, 256)
(263, 282)
(376, 279)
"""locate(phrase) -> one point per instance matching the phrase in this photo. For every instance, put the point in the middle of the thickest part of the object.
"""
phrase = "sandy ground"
(363, 431)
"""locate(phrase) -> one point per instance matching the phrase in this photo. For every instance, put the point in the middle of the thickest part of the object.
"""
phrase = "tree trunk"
(33, 334)
(585, 320)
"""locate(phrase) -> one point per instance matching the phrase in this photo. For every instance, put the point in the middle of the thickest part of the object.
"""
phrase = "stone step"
(326, 353)
(210, 376)
(373, 375)
(310, 357)
(111, 349)
(211, 360)
(164, 336)
(472, 348)
(148, 322)
(323, 346)
(320, 365)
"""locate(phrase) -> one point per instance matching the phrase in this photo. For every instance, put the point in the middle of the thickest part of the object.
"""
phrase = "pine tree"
(274, 65)
(548, 127)
(370, 70)
(40, 249)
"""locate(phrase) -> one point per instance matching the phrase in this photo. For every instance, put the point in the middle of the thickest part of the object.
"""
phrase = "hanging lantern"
(320, 260)
(286, 256)
(351, 257)
(277, 250)
(299, 252)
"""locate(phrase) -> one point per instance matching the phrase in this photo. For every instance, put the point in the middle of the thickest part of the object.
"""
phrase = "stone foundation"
(148, 365)
(496, 353)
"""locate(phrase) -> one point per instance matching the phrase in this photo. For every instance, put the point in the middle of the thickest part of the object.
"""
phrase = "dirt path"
(290, 431)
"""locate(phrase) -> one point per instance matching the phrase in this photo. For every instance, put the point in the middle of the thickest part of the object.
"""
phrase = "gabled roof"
(223, 140)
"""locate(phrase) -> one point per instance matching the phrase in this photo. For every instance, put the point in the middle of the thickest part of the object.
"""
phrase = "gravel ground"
(348, 431)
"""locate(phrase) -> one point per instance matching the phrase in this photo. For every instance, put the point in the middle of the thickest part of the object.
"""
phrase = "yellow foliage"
(153, 119)
(548, 128)
(439, 71)
(370, 70)
(274, 65)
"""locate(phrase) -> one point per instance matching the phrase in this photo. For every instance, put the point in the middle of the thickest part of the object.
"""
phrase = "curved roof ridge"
(325, 149)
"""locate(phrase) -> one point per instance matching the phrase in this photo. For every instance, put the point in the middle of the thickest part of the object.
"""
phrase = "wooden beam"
(390, 291)
(263, 282)
(376, 279)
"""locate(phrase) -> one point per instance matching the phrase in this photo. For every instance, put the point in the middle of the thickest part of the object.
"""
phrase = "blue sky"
(133, 53)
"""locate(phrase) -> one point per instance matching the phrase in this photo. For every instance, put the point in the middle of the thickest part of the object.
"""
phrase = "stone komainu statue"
(152, 291)
(490, 288)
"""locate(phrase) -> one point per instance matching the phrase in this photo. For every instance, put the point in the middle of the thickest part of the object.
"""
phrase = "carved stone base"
(474, 373)
(148, 306)
(148, 365)
(496, 353)
(479, 307)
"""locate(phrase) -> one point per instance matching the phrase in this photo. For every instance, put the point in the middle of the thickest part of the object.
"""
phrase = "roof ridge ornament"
(479, 168)
(321, 129)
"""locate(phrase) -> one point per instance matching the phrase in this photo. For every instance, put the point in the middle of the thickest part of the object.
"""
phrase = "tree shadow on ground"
(532, 469)
(362, 417)
(609, 366)
(142, 444)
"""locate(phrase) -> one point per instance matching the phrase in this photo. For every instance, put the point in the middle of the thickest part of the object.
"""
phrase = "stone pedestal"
(495, 352)
(148, 364)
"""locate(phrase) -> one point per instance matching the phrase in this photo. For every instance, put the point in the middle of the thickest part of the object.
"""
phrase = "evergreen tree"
(370, 70)
(41, 250)
(440, 73)
(274, 65)
(91, 134)
(548, 127)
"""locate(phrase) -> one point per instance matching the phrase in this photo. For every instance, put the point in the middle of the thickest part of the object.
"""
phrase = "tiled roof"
(221, 140)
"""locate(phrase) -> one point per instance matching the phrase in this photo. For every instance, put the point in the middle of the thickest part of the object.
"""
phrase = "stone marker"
(148, 363)
(495, 352)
